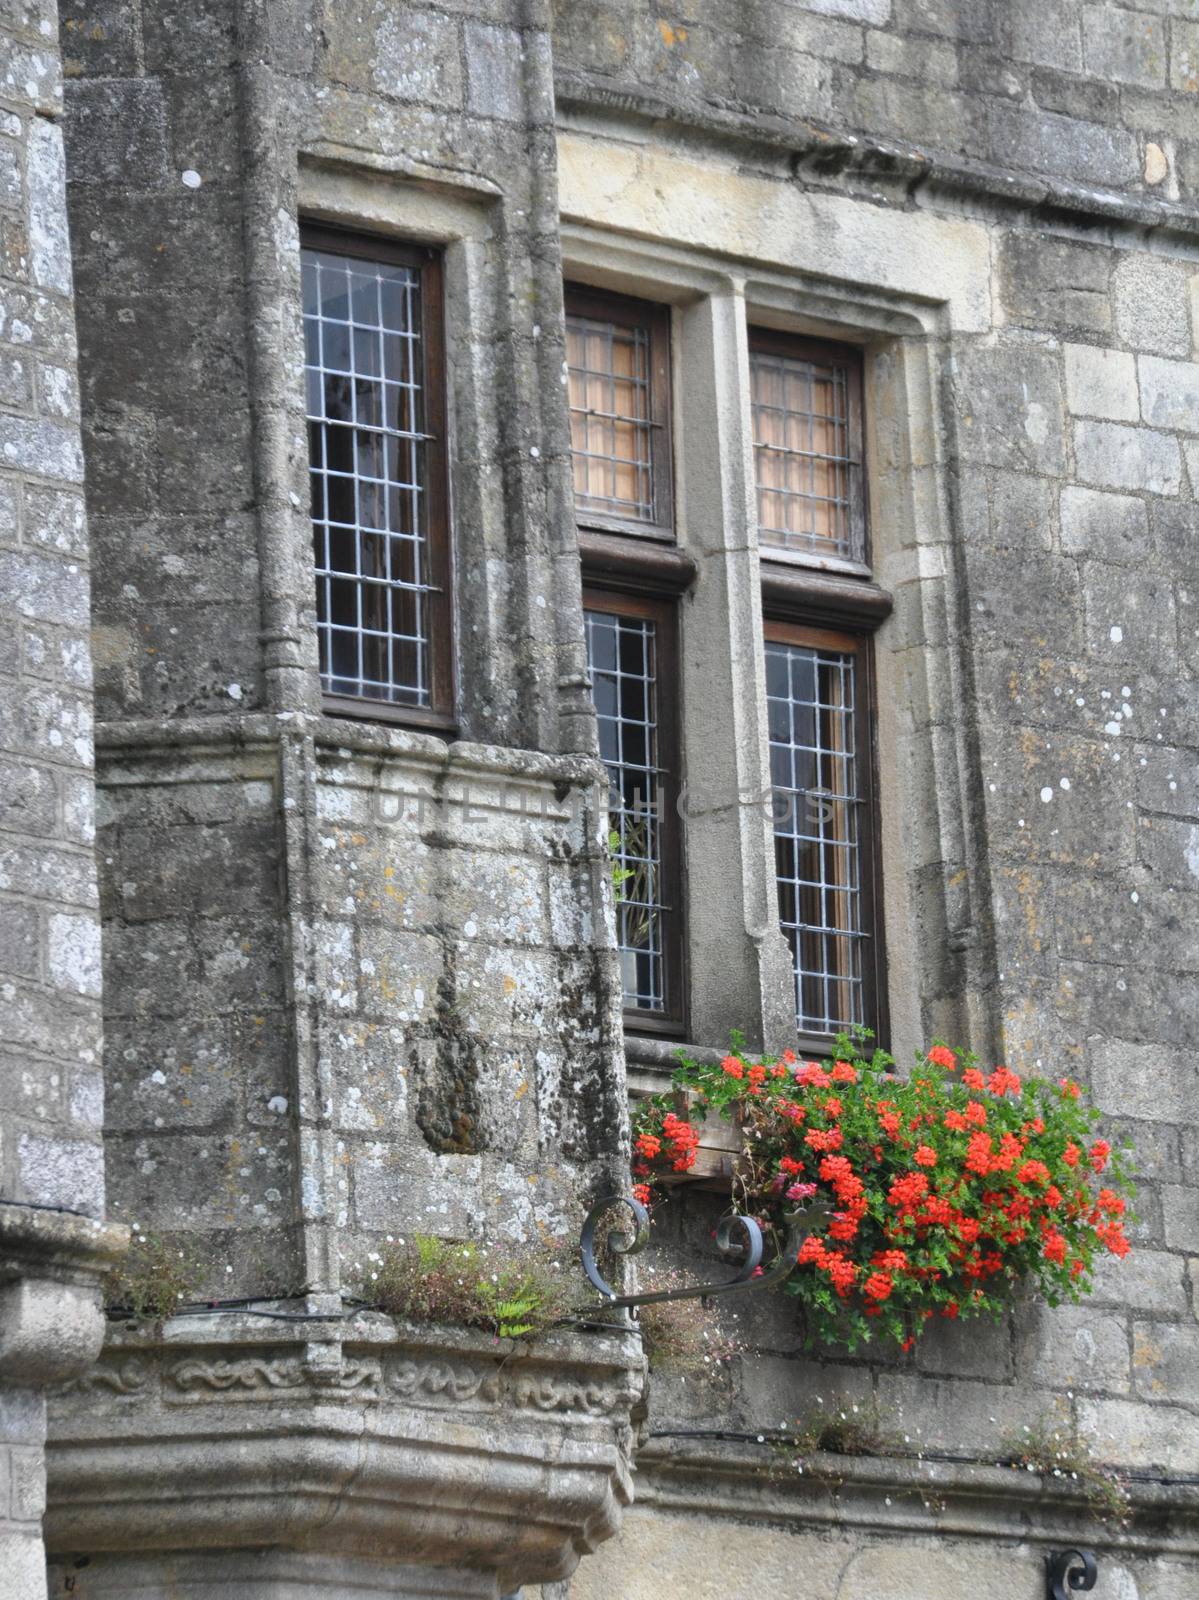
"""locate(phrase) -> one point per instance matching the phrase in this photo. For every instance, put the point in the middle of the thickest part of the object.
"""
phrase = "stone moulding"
(901, 1495)
(426, 1447)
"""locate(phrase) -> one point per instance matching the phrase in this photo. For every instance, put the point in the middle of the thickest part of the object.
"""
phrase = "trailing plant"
(949, 1187)
(683, 1336)
(153, 1279)
(1054, 1453)
(513, 1291)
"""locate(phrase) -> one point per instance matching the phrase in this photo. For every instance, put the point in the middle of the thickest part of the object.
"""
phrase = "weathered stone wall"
(352, 981)
(355, 979)
(1039, 741)
(1052, 92)
(51, 1096)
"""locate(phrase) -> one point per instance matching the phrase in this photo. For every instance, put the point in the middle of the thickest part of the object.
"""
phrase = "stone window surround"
(739, 974)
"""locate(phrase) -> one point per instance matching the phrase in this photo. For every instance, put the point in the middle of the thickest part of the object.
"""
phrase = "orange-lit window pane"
(611, 426)
(807, 460)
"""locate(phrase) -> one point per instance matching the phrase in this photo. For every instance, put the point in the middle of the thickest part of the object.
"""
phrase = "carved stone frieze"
(442, 1443)
(255, 1378)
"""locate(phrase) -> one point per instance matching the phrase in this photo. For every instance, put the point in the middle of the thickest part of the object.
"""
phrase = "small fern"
(511, 1291)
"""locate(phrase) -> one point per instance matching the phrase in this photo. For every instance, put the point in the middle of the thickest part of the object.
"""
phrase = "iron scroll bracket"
(1069, 1572)
(735, 1233)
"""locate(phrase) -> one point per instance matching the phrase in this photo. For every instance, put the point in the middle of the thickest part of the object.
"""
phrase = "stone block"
(1165, 1358)
(16, 381)
(46, 449)
(1184, 56)
(494, 71)
(405, 55)
(1146, 1280)
(117, 132)
(1046, 38)
(1077, 1347)
(1132, 1434)
(27, 1466)
(1064, 147)
(20, 941)
(1102, 383)
(73, 953)
(1008, 398)
(1170, 393)
(1144, 1080)
(396, 1188)
(1113, 456)
(924, 59)
(1151, 301)
(876, 13)
(168, 1082)
(23, 1562)
(396, 975)
(1124, 46)
(62, 1172)
(505, 993)
(777, 1393)
(368, 1062)
(1168, 781)
(45, 871)
(494, 897)
(1180, 1206)
(49, 245)
(967, 1350)
(1129, 618)
(1109, 527)
(959, 1414)
(28, 798)
(1021, 510)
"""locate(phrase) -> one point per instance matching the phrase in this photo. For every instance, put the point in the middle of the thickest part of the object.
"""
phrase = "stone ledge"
(430, 1447)
(51, 1263)
(970, 1499)
(262, 730)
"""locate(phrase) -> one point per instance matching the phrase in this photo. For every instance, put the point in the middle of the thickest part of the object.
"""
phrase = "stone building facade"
(349, 873)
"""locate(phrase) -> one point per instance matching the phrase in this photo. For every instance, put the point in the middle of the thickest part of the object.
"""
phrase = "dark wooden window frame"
(659, 605)
(627, 312)
(776, 342)
(439, 716)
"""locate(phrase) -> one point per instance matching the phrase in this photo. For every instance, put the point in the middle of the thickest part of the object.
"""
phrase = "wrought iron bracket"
(1068, 1572)
(735, 1233)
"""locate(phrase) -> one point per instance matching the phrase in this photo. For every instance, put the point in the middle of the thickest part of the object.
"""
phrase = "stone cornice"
(262, 730)
(823, 155)
(906, 1495)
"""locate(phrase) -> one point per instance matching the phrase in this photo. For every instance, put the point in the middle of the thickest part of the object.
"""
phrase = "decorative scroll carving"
(258, 1378)
(440, 1381)
(130, 1377)
(447, 1383)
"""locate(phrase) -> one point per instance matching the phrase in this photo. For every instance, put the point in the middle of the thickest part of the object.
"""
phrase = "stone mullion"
(740, 975)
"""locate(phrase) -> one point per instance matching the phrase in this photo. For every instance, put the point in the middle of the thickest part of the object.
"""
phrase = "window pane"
(367, 458)
(622, 656)
(817, 822)
(805, 460)
(608, 376)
